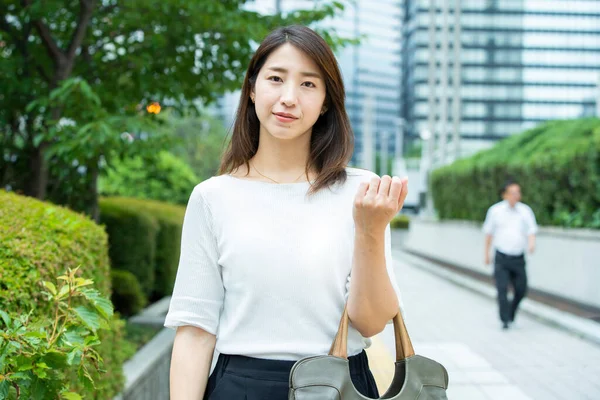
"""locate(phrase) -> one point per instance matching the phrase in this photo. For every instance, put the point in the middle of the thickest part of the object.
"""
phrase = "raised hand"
(377, 202)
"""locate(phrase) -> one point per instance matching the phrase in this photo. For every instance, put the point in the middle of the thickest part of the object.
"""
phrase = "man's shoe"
(505, 325)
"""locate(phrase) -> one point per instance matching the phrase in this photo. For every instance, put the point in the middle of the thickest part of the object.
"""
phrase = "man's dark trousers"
(511, 269)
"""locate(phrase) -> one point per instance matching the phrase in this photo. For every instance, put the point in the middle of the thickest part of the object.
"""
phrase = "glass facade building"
(522, 62)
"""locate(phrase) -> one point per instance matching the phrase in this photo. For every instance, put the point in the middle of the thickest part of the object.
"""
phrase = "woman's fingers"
(384, 185)
(373, 186)
(361, 192)
(403, 193)
(396, 188)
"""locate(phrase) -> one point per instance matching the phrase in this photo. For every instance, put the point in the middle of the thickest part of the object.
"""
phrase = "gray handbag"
(328, 377)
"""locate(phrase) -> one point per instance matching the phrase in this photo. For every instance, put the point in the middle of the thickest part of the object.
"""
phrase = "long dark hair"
(332, 141)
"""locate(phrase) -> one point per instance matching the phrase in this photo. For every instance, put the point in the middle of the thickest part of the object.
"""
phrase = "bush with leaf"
(161, 177)
(38, 242)
(127, 295)
(38, 353)
(168, 220)
(557, 165)
(400, 221)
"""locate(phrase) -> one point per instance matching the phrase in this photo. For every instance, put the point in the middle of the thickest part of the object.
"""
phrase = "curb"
(573, 324)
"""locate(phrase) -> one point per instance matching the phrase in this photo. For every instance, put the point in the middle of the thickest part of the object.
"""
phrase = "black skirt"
(246, 378)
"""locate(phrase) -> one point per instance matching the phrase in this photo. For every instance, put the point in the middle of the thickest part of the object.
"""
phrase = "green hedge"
(127, 295)
(557, 165)
(132, 241)
(39, 241)
(168, 219)
(400, 221)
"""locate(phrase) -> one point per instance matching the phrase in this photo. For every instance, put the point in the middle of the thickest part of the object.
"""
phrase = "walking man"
(511, 226)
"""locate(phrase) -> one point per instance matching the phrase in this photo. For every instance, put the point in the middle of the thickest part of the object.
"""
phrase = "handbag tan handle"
(404, 347)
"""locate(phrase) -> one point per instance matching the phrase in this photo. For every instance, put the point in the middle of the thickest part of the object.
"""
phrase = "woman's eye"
(274, 78)
(309, 84)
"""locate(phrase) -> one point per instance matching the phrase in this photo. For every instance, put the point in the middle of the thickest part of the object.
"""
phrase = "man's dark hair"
(508, 183)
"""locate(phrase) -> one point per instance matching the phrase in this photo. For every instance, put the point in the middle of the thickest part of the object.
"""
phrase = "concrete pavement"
(460, 329)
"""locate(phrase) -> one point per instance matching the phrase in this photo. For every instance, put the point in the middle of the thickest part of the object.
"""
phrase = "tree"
(130, 53)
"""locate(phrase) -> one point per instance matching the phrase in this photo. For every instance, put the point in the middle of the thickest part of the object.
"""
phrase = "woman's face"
(289, 93)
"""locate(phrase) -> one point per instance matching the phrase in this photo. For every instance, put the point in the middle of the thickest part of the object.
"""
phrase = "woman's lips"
(285, 118)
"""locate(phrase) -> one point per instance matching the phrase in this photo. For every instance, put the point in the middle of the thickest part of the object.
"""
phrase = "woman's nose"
(289, 95)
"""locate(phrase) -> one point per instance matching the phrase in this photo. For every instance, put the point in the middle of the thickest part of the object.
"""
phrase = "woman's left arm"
(372, 301)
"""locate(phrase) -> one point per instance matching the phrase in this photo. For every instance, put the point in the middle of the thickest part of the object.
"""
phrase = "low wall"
(566, 262)
(147, 372)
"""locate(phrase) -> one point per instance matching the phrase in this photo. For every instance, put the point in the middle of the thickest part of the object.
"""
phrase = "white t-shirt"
(266, 268)
(510, 227)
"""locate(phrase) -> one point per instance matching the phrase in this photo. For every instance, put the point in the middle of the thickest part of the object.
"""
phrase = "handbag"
(327, 377)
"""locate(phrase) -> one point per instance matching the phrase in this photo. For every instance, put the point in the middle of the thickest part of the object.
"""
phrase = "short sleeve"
(532, 226)
(198, 292)
(389, 264)
(489, 225)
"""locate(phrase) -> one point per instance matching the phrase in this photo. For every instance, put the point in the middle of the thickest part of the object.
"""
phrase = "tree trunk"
(36, 187)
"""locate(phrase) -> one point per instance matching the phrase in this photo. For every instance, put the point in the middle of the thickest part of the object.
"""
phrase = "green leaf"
(4, 386)
(85, 377)
(5, 318)
(101, 304)
(55, 359)
(63, 291)
(50, 287)
(71, 396)
(88, 316)
(74, 357)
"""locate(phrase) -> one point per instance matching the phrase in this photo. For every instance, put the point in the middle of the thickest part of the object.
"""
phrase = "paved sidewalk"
(460, 329)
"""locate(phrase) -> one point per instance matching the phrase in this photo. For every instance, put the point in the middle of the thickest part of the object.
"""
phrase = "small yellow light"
(153, 108)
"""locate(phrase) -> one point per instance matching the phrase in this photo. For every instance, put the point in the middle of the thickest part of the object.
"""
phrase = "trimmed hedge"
(132, 241)
(400, 221)
(39, 241)
(557, 165)
(127, 295)
(169, 219)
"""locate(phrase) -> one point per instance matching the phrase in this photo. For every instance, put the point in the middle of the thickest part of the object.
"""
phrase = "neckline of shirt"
(252, 181)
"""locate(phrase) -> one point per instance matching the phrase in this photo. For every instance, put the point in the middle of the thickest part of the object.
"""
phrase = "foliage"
(400, 221)
(127, 295)
(132, 241)
(53, 53)
(557, 165)
(38, 241)
(161, 176)
(169, 219)
(200, 142)
(36, 357)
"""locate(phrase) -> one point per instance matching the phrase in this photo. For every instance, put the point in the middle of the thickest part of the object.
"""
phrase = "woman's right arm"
(190, 362)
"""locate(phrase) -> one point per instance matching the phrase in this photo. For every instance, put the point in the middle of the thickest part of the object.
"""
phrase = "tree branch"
(53, 50)
(85, 15)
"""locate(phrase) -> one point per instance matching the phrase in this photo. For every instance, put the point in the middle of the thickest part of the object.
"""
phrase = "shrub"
(557, 165)
(400, 221)
(38, 242)
(132, 241)
(38, 354)
(127, 294)
(162, 177)
(168, 241)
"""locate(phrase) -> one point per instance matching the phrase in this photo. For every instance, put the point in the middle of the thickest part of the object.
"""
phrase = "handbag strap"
(404, 347)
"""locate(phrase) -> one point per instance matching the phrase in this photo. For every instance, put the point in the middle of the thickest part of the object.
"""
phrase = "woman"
(268, 246)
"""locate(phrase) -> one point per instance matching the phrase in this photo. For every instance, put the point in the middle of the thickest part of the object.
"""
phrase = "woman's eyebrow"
(304, 73)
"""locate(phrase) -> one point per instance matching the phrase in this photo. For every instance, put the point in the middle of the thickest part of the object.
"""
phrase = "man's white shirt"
(510, 227)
